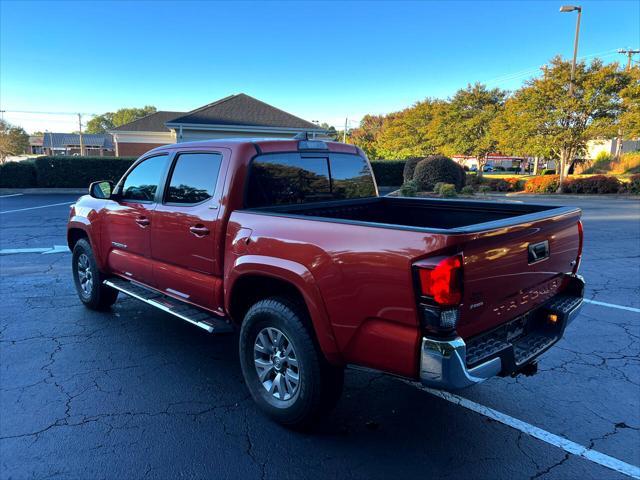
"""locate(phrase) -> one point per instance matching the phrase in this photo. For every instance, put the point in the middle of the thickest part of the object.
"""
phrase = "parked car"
(288, 242)
(487, 168)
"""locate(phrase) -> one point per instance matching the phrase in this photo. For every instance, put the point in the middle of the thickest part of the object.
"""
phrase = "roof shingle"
(241, 109)
(154, 122)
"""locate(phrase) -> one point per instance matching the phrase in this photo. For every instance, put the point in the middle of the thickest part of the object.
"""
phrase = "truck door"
(184, 245)
(127, 222)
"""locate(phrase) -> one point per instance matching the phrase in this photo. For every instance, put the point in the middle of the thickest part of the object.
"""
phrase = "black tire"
(95, 295)
(320, 384)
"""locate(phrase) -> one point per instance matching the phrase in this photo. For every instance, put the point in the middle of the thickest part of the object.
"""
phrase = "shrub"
(437, 168)
(448, 190)
(388, 173)
(594, 184)
(410, 167)
(17, 175)
(505, 184)
(634, 184)
(409, 189)
(76, 172)
(438, 186)
(629, 163)
(473, 180)
(548, 171)
(484, 189)
(542, 184)
(467, 190)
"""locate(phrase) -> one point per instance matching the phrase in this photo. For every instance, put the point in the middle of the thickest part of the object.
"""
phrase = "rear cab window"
(294, 178)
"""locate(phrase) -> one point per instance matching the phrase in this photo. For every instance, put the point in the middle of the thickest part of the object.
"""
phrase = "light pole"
(566, 9)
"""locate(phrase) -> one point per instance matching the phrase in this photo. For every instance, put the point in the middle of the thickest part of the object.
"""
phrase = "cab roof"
(265, 145)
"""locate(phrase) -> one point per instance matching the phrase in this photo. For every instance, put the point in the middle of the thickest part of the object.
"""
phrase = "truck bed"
(425, 214)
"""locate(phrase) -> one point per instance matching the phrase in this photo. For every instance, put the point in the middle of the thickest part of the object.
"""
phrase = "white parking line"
(34, 208)
(547, 437)
(11, 195)
(612, 305)
(42, 250)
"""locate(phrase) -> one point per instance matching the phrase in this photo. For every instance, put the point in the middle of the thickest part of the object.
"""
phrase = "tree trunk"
(618, 152)
(481, 161)
(564, 156)
(536, 162)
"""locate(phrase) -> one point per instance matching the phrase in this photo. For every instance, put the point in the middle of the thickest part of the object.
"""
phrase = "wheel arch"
(258, 277)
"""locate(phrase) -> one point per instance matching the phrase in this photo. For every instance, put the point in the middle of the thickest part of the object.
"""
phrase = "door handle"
(199, 230)
(143, 221)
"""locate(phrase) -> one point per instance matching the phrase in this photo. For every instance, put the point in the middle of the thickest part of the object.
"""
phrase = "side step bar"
(184, 311)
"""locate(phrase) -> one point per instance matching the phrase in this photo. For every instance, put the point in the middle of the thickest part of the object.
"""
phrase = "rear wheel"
(283, 367)
(88, 279)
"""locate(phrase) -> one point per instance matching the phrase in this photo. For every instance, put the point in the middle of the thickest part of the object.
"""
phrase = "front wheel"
(283, 367)
(88, 279)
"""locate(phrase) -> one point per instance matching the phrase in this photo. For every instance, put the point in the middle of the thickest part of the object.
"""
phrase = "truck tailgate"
(510, 271)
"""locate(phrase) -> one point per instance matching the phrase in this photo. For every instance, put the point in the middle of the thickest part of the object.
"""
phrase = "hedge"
(18, 175)
(388, 173)
(594, 184)
(78, 172)
(542, 184)
(634, 184)
(505, 184)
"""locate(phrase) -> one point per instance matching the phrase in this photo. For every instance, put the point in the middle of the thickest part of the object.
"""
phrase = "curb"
(43, 191)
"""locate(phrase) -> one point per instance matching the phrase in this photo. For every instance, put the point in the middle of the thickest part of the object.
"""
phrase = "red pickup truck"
(289, 242)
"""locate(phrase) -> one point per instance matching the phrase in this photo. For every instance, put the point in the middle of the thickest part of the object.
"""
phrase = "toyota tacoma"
(289, 242)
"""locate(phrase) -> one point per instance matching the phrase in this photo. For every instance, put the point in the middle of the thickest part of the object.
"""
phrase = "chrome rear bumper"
(443, 363)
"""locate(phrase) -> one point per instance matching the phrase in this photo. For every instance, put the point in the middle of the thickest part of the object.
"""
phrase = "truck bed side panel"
(364, 276)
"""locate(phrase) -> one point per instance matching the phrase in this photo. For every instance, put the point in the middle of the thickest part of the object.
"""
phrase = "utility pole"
(629, 53)
(80, 134)
(344, 134)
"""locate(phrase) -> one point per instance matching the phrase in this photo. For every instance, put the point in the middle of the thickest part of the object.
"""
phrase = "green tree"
(109, 120)
(630, 117)
(331, 130)
(13, 141)
(465, 127)
(544, 120)
(409, 133)
(366, 135)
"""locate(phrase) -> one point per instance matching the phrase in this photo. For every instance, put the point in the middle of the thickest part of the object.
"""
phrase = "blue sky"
(321, 61)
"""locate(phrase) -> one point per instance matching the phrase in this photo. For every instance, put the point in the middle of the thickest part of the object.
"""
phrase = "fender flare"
(302, 279)
(79, 222)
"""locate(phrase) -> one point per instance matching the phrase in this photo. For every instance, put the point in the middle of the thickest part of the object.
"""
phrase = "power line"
(629, 53)
(523, 73)
(49, 113)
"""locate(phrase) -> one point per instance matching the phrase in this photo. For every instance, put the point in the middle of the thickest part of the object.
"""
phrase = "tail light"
(580, 243)
(443, 282)
(439, 292)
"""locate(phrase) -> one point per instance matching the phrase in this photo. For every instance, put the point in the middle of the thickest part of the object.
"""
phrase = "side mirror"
(101, 190)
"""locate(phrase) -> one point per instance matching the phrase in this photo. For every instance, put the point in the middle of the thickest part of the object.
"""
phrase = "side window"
(287, 178)
(142, 182)
(194, 177)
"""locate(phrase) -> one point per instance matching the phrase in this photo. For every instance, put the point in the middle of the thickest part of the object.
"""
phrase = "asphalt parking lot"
(135, 393)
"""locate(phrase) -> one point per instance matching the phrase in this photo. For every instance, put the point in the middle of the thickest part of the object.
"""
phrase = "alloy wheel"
(276, 363)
